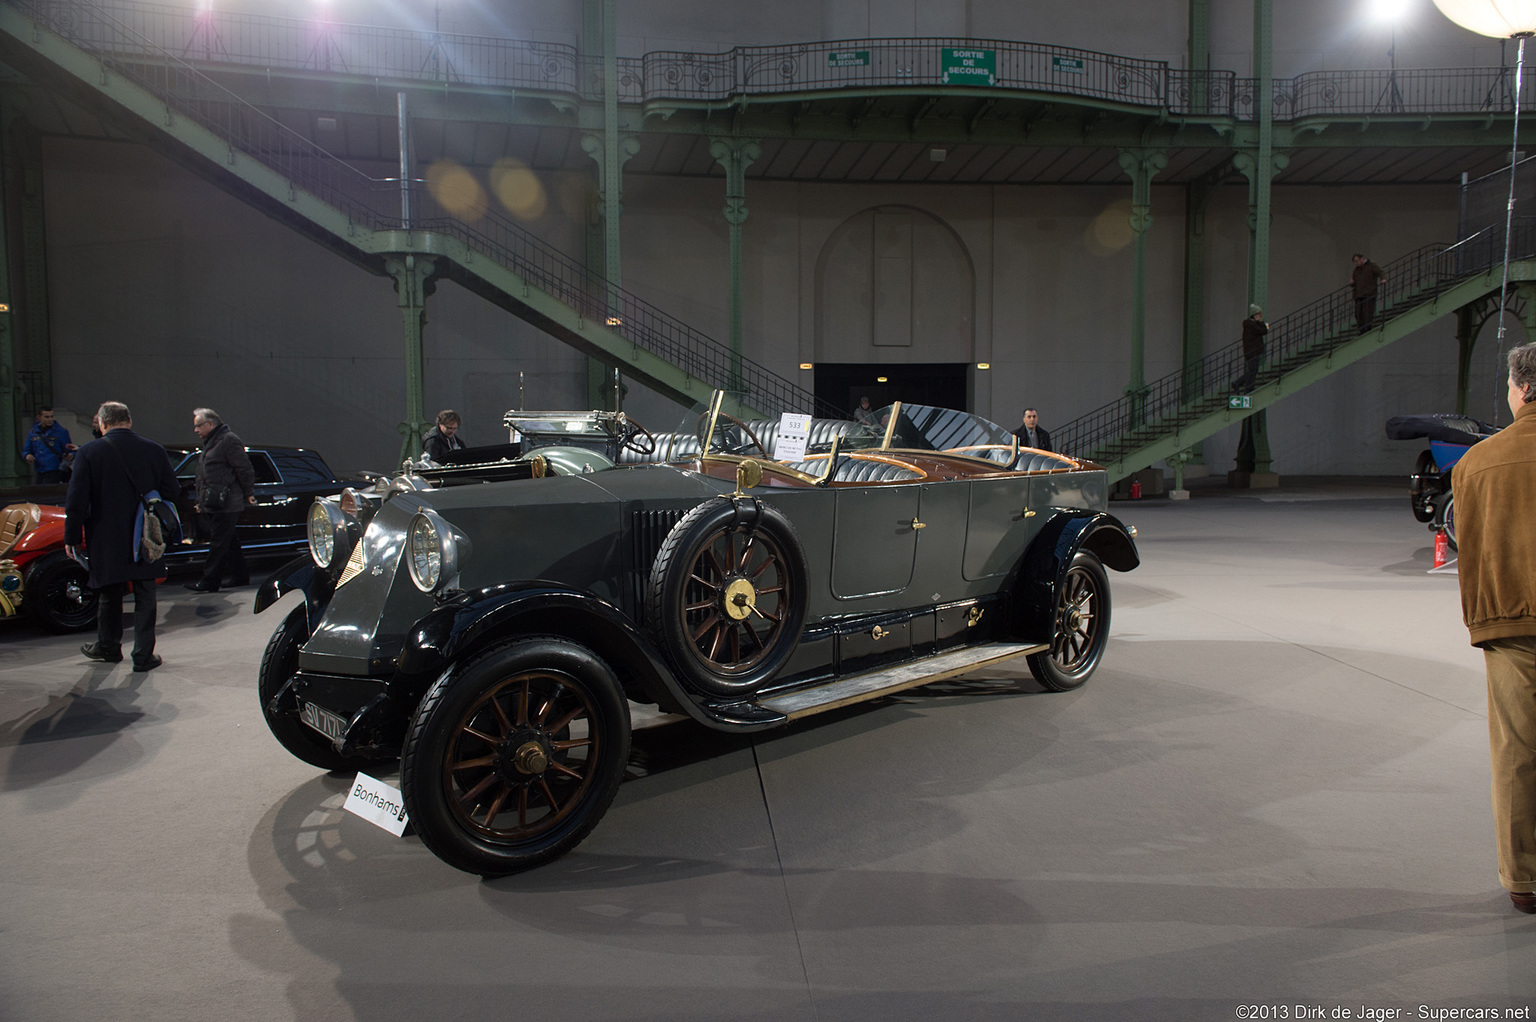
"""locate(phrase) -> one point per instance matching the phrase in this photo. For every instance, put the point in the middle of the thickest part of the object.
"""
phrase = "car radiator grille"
(647, 531)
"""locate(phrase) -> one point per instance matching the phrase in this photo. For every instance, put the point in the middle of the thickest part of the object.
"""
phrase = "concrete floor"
(1272, 798)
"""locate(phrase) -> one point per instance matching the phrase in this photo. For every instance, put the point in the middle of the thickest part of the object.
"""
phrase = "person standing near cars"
(1031, 433)
(1496, 567)
(47, 447)
(443, 437)
(226, 483)
(101, 511)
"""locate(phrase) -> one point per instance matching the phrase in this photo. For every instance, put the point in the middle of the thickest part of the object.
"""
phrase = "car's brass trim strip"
(862, 687)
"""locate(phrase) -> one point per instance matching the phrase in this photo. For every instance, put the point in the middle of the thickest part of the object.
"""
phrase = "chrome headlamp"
(327, 532)
(433, 551)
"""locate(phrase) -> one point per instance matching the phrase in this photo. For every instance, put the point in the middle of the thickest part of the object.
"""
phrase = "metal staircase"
(1183, 408)
(85, 53)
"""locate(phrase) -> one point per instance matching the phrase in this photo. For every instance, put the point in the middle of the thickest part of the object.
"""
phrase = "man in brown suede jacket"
(1496, 545)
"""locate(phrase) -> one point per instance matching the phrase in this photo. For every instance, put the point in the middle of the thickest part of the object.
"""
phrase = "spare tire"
(727, 595)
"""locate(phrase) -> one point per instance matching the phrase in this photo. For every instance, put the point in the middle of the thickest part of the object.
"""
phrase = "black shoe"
(202, 587)
(93, 651)
(236, 583)
(147, 665)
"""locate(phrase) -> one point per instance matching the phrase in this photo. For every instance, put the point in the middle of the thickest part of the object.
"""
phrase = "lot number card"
(794, 431)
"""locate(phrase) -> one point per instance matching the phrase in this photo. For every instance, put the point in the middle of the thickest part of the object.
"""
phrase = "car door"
(874, 540)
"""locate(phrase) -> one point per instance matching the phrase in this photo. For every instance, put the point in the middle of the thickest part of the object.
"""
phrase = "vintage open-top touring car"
(491, 636)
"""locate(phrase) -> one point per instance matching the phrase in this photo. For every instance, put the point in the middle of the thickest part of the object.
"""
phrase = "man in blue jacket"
(47, 447)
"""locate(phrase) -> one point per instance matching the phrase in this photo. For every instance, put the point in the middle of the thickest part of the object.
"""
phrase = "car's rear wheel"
(727, 595)
(512, 760)
(1080, 630)
(278, 664)
(58, 594)
(1422, 503)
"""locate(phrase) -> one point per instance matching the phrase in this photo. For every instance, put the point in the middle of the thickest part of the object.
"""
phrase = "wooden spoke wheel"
(511, 762)
(727, 595)
(1081, 627)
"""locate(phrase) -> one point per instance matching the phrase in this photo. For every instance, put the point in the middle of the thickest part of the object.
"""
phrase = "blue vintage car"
(493, 636)
(1429, 487)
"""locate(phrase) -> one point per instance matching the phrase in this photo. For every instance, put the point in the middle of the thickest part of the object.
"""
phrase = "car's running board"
(862, 687)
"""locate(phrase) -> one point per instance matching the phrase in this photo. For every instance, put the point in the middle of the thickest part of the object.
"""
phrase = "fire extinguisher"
(1135, 489)
(1442, 548)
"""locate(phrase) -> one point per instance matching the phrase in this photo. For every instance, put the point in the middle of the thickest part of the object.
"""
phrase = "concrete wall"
(168, 294)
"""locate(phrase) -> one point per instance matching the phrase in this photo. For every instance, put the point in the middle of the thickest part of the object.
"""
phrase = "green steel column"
(1263, 100)
(1468, 323)
(1199, 55)
(11, 464)
(1142, 166)
(1253, 455)
(413, 285)
(735, 155)
(600, 24)
(1197, 198)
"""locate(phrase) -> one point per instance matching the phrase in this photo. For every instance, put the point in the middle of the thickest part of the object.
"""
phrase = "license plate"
(323, 721)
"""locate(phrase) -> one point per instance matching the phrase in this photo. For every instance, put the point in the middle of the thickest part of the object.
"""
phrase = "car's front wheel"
(1080, 630)
(58, 594)
(512, 760)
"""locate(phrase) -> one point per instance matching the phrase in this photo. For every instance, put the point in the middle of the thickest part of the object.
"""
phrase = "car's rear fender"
(1040, 573)
(470, 622)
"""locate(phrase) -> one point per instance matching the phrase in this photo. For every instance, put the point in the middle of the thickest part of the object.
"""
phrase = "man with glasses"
(226, 483)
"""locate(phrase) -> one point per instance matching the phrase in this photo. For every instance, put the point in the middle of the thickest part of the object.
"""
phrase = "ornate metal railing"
(375, 204)
(1165, 405)
(211, 37)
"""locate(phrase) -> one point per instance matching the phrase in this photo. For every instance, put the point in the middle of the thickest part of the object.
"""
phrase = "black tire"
(58, 596)
(513, 757)
(705, 591)
(1448, 519)
(1080, 630)
(1422, 503)
(278, 663)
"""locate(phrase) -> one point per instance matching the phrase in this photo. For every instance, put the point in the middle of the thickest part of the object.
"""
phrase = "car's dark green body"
(897, 575)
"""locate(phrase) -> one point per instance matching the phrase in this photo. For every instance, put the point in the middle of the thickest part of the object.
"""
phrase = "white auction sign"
(377, 803)
(794, 432)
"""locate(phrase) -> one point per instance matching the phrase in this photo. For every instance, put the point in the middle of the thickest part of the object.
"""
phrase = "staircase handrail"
(189, 92)
(1297, 338)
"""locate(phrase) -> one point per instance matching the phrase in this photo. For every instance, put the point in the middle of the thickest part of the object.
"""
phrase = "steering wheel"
(637, 438)
(726, 417)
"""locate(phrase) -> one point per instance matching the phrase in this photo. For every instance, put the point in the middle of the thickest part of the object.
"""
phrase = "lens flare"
(518, 189)
(456, 190)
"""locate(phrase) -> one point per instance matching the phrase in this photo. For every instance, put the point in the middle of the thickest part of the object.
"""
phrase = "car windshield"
(553, 426)
(917, 427)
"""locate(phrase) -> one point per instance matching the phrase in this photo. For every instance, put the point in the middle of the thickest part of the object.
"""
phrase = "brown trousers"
(1512, 750)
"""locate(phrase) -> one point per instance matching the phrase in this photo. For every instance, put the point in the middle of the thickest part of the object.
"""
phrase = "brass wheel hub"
(740, 598)
(522, 756)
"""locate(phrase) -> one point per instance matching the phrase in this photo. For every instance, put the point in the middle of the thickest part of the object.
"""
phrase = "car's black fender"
(469, 622)
(1040, 573)
(301, 574)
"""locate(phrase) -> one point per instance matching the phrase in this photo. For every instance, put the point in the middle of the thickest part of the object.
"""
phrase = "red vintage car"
(38, 577)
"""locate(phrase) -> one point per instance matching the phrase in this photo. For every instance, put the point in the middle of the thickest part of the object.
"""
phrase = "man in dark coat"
(1031, 433)
(1363, 280)
(226, 483)
(101, 520)
(1254, 329)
